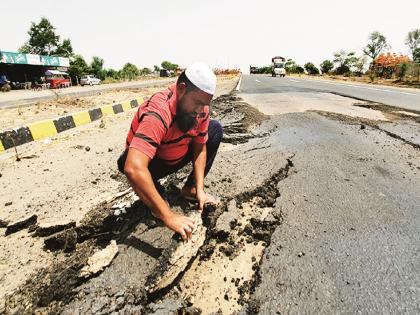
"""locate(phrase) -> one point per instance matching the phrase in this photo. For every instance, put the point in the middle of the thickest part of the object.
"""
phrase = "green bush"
(326, 66)
(311, 68)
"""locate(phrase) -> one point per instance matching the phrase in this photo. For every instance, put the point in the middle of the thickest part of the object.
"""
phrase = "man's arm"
(199, 161)
(137, 172)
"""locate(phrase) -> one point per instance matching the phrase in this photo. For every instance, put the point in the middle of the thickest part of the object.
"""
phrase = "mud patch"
(237, 117)
(223, 276)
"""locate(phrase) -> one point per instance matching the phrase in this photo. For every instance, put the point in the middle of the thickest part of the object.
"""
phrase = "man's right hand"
(180, 224)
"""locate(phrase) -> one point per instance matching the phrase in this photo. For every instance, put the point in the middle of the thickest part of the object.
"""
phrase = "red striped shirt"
(154, 132)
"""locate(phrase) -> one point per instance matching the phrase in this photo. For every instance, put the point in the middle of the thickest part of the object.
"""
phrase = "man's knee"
(215, 131)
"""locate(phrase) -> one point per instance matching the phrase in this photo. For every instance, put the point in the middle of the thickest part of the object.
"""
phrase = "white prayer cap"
(202, 77)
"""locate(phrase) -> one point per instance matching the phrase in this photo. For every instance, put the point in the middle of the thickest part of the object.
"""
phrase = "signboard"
(64, 62)
(50, 61)
(12, 57)
(31, 59)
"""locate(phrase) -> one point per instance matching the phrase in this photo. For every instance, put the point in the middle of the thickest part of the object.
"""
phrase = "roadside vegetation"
(44, 40)
(377, 63)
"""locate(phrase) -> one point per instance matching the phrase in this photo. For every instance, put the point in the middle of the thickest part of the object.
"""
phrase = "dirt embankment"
(150, 272)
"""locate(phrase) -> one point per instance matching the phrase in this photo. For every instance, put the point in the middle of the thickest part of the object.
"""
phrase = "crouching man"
(170, 130)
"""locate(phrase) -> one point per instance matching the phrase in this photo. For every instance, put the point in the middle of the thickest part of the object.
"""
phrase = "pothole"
(221, 278)
(223, 275)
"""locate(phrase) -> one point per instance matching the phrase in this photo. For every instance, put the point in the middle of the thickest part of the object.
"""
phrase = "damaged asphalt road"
(318, 215)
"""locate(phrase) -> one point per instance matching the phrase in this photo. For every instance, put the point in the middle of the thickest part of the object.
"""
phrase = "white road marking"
(239, 84)
(257, 80)
(295, 80)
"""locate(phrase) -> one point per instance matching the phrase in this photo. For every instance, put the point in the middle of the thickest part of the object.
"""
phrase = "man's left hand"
(204, 198)
(201, 198)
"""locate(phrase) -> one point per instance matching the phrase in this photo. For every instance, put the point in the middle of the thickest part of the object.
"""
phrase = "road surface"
(407, 98)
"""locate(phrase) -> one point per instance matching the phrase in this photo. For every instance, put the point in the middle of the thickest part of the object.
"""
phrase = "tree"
(402, 70)
(387, 64)
(416, 55)
(129, 71)
(311, 68)
(78, 67)
(413, 41)
(96, 67)
(292, 67)
(42, 39)
(111, 73)
(156, 68)
(299, 69)
(169, 66)
(326, 66)
(360, 65)
(344, 60)
(145, 71)
(64, 49)
(376, 45)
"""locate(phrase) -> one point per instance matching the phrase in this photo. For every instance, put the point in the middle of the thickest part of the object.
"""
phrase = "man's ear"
(181, 88)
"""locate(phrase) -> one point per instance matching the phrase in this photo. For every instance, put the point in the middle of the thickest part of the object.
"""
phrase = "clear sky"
(229, 33)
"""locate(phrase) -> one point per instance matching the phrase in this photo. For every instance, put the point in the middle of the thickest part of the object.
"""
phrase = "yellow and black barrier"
(51, 127)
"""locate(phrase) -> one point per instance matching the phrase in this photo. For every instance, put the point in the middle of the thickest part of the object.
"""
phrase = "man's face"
(192, 102)
(189, 105)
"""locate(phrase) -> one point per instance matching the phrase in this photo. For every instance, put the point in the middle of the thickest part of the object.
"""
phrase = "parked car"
(89, 80)
(164, 73)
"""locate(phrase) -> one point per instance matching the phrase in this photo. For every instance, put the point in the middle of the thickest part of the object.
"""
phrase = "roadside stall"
(26, 71)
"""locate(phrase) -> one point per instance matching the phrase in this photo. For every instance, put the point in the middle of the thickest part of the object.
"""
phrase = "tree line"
(43, 40)
(383, 63)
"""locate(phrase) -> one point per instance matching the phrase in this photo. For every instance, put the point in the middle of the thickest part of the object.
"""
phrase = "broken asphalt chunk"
(20, 225)
(65, 240)
(175, 259)
(50, 228)
(100, 260)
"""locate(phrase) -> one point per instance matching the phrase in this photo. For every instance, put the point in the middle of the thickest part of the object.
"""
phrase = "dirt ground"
(61, 179)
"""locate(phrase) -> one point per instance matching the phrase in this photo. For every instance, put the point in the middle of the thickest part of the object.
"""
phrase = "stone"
(100, 260)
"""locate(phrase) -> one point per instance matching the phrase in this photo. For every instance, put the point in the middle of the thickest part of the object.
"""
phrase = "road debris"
(22, 224)
(49, 228)
(100, 260)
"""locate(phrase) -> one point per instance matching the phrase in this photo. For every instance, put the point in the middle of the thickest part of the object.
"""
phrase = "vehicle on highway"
(253, 70)
(278, 66)
(89, 80)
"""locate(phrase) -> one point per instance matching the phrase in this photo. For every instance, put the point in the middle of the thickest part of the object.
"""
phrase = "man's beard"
(184, 121)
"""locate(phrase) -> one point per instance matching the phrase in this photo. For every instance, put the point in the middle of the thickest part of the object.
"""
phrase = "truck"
(278, 66)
